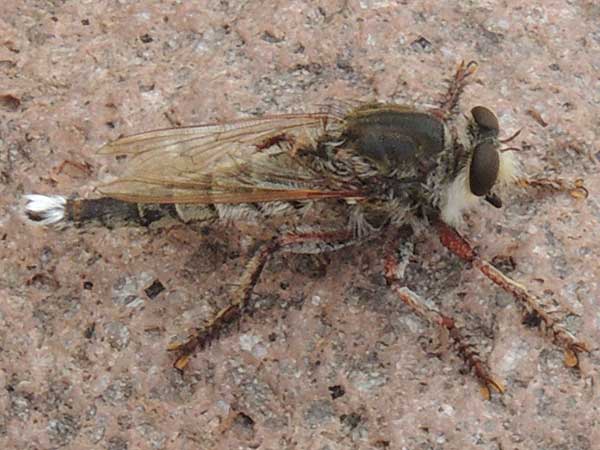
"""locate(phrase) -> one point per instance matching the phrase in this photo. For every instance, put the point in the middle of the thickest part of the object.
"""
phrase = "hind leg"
(314, 242)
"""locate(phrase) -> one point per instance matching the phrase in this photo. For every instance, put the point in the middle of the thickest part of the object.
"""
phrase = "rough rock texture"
(330, 360)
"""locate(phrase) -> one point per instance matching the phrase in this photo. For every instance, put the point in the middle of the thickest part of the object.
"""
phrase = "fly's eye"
(485, 118)
(484, 168)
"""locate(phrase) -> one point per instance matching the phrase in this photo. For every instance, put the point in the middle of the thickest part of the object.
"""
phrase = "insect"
(322, 181)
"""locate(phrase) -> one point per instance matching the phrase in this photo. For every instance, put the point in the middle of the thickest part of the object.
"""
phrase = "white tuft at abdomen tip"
(45, 209)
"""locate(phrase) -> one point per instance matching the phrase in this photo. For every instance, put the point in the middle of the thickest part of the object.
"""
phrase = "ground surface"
(330, 360)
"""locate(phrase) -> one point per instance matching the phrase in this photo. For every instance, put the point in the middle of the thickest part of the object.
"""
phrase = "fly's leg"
(575, 189)
(394, 266)
(449, 100)
(230, 314)
(532, 304)
(315, 242)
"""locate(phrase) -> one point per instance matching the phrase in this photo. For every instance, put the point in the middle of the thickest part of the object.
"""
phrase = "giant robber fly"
(322, 181)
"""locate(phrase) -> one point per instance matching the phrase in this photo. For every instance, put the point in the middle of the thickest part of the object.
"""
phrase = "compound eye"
(485, 118)
(484, 168)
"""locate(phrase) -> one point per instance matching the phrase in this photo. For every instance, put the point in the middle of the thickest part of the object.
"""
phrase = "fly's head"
(482, 168)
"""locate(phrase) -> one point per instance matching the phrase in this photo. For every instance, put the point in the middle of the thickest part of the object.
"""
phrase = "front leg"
(575, 189)
(449, 100)
(533, 304)
(394, 266)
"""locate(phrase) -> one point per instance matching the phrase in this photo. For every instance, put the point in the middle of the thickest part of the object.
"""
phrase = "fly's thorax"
(411, 151)
(395, 137)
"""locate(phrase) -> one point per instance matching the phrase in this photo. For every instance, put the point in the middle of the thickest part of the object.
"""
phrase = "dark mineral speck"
(336, 391)
(90, 331)
(154, 289)
(531, 320)
(421, 44)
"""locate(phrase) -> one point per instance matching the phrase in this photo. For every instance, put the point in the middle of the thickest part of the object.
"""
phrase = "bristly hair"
(458, 198)
(45, 209)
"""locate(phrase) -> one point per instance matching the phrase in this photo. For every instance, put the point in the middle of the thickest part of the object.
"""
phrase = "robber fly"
(338, 177)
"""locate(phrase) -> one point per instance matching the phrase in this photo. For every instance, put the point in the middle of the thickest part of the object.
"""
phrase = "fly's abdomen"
(111, 212)
(107, 212)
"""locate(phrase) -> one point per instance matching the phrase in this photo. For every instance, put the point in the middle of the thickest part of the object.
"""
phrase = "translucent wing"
(238, 162)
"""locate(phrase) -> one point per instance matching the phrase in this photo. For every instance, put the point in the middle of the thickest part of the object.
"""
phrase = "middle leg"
(394, 266)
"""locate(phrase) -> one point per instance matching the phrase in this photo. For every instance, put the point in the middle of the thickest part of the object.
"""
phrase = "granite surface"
(330, 359)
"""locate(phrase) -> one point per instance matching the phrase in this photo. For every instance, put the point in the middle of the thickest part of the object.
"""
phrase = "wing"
(238, 162)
